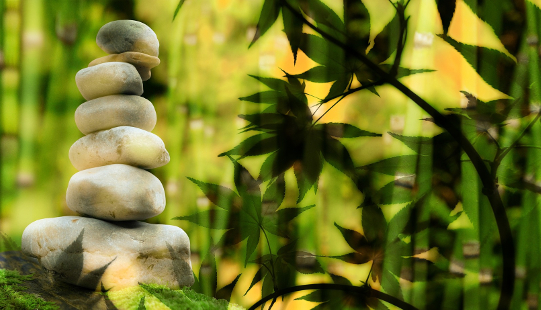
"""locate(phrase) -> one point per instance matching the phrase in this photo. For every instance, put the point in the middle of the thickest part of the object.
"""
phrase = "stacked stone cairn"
(108, 247)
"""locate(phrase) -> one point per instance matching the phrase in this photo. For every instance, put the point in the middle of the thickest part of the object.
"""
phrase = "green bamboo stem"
(2, 9)
(33, 38)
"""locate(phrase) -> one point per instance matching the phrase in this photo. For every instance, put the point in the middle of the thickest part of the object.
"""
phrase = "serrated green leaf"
(270, 97)
(403, 72)
(322, 74)
(142, 304)
(384, 43)
(220, 196)
(325, 18)
(269, 15)
(343, 130)
(293, 29)
(275, 84)
(374, 223)
(226, 291)
(336, 279)
(259, 275)
(299, 108)
(338, 156)
(338, 87)
(393, 193)
(323, 52)
(274, 194)
(355, 240)
(303, 185)
(288, 214)
(405, 164)
(265, 146)
(414, 143)
(204, 218)
(246, 145)
(470, 52)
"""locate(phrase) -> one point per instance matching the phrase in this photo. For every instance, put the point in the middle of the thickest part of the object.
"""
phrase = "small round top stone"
(121, 36)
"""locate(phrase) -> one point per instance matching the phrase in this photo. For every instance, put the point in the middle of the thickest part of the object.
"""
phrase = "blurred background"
(205, 62)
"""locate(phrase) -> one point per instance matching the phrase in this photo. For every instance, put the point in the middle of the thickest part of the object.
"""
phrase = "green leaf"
(391, 285)
(470, 52)
(270, 96)
(208, 215)
(405, 164)
(355, 240)
(269, 15)
(288, 214)
(323, 52)
(402, 72)
(355, 258)
(338, 156)
(274, 194)
(293, 29)
(259, 275)
(374, 223)
(226, 291)
(276, 84)
(299, 108)
(265, 146)
(266, 172)
(338, 87)
(392, 193)
(325, 16)
(400, 221)
(246, 145)
(386, 42)
(179, 5)
(343, 130)
(322, 74)
(446, 8)
(414, 143)
(303, 184)
(220, 196)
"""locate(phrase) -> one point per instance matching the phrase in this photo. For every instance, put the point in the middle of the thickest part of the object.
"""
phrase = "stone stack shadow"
(108, 247)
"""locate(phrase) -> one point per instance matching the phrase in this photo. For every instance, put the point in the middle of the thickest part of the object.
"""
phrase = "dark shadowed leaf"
(71, 259)
(264, 146)
(470, 52)
(266, 173)
(276, 84)
(446, 8)
(180, 266)
(415, 143)
(219, 195)
(293, 29)
(179, 5)
(259, 275)
(342, 130)
(384, 43)
(303, 184)
(93, 278)
(299, 108)
(391, 285)
(274, 195)
(225, 292)
(269, 14)
(336, 279)
(108, 303)
(355, 240)
(7, 244)
(393, 193)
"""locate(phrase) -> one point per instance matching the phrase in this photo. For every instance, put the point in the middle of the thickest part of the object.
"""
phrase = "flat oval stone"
(90, 253)
(121, 36)
(116, 193)
(113, 111)
(109, 78)
(119, 145)
(142, 62)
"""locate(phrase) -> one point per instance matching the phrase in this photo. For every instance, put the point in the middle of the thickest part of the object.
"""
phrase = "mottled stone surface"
(116, 193)
(113, 111)
(91, 253)
(119, 145)
(110, 78)
(121, 36)
(142, 62)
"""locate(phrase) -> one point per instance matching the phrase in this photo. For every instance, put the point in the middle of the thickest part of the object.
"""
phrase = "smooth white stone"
(136, 252)
(142, 62)
(119, 145)
(113, 111)
(110, 78)
(121, 36)
(116, 193)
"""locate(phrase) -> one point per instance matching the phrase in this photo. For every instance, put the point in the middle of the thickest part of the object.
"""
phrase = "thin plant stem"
(357, 290)
(489, 187)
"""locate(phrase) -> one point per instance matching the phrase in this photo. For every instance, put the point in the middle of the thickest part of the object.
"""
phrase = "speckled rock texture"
(110, 78)
(113, 111)
(93, 253)
(119, 145)
(121, 36)
(116, 193)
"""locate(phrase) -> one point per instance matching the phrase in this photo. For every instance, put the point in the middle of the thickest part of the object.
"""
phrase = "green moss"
(158, 297)
(12, 295)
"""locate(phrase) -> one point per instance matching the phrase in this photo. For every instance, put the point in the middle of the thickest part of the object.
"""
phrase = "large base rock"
(92, 253)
